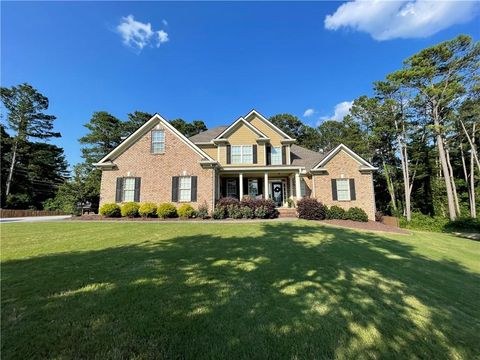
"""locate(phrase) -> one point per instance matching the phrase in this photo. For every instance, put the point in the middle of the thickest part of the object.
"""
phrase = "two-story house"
(250, 157)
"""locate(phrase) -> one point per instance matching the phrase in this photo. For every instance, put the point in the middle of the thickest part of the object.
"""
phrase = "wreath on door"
(276, 189)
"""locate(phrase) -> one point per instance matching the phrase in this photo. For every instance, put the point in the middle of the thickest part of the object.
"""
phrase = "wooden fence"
(391, 220)
(7, 213)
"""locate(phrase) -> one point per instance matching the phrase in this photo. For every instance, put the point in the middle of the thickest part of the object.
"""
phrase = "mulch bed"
(370, 225)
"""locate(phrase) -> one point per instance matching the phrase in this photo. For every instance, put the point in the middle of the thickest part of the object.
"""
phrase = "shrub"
(130, 209)
(234, 212)
(148, 210)
(186, 211)
(463, 224)
(291, 203)
(270, 207)
(424, 222)
(336, 212)
(356, 214)
(261, 212)
(166, 210)
(249, 202)
(224, 202)
(218, 213)
(378, 216)
(247, 213)
(202, 211)
(310, 209)
(110, 210)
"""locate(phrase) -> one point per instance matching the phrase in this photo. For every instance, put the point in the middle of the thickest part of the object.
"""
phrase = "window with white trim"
(128, 189)
(343, 189)
(158, 141)
(253, 187)
(185, 188)
(241, 154)
(276, 155)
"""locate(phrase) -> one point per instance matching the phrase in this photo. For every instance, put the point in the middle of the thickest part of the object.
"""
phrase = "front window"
(343, 189)
(231, 187)
(128, 189)
(253, 187)
(276, 155)
(185, 188)
(158, 142)
(241, 154)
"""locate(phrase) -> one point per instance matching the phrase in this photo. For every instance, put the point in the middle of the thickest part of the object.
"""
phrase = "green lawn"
(294, 290)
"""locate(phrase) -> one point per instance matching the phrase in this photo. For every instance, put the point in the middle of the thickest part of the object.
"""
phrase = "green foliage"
(310, 209)
(291, 203)
(336, 212)
(186, 211)
(147, 210)
(189, 129)
(306, 136)
(130, 209)
(440, 224)
(202, 211)
(219, 213)
(356, 214)
(463, 225)
(261, 212)
(110, 210)
(167, 210)
(234, 211)
(247, 212)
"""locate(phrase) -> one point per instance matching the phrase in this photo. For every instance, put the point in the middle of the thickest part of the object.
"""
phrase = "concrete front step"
(287, 212)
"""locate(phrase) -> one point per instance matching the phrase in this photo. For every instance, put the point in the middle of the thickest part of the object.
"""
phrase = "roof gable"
(235, 125)
(268, 123)
(142, 130)
(350, 152)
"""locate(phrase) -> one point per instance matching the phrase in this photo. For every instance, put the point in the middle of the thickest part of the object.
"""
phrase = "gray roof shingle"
(208, 135)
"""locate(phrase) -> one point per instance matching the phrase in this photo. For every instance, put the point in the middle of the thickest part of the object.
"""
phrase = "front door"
(277, 192)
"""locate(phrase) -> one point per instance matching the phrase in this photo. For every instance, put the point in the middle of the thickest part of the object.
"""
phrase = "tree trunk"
(471, 140)
(12, 167)
(467, 182)
(445, 171)
(452, 180)
(473, 208)
(390, 187)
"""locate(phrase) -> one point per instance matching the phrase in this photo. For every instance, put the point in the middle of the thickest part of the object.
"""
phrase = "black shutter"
(119, 192)
(352, 190)
(229, 154)
(254, 150)
(136, 196)
(284, 155)
(194, 189)
(245, 186)
(269, 154)
(260, 186)
(223, 187)
(334, 189)
(175, 188)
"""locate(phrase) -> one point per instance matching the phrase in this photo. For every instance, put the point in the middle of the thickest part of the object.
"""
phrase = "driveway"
(36, 218)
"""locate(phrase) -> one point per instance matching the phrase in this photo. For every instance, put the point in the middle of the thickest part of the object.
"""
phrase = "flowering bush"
(310, 209)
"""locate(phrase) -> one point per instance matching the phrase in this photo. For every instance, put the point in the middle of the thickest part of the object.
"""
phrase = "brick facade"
(156, 170)
(344, 166)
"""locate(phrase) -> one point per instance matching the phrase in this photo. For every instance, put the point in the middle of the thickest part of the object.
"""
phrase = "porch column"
(265, 185)
(240, 180)
(290, 190)
(297, 186)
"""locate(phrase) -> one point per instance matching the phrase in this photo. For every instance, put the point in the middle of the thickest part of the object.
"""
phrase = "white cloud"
(309, 112)
(385, 20)
(340, 111)
(138, 35)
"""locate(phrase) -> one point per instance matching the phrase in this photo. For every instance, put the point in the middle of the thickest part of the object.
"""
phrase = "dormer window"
(276, 155)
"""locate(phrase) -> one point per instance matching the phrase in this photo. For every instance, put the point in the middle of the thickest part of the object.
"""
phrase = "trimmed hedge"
(130, 209)
(247, 208)
(310, 209)
(110, 210)
(166, 210)
(336, 212)
(186, 211)
(148, 210)
(356, 214)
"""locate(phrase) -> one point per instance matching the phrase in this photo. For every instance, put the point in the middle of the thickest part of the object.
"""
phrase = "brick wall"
(157, 170)
(343, 165)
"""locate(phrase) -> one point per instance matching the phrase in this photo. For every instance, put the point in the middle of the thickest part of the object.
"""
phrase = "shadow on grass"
(293, 292)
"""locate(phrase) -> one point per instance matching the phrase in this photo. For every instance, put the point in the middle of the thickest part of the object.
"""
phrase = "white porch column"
(290, 188)
(297, 186)
(240, 180)
(265, 186)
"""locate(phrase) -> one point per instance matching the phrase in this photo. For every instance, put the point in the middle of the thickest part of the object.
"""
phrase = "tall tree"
(25, 106)
(438, 75)
(305, 135)
(189, 129)
(135, 120)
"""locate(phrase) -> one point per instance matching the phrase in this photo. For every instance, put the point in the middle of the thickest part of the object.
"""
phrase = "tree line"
(419, 129)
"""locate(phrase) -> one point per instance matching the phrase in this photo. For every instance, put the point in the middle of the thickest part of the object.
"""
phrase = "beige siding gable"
(275, 137)
(242, 135)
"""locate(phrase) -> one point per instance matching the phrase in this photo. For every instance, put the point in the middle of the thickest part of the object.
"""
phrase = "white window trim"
(124, 189)
(280, 152)
(241, 154)
(180, 188)
(349, 190)
(248, 187)
(157, 142)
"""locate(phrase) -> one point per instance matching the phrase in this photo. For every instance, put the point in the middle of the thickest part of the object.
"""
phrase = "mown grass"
(259, 290)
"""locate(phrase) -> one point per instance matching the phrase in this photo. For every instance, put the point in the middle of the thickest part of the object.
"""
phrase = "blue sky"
(213, 61)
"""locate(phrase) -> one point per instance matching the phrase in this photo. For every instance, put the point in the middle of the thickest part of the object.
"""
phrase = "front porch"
(278, 186)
